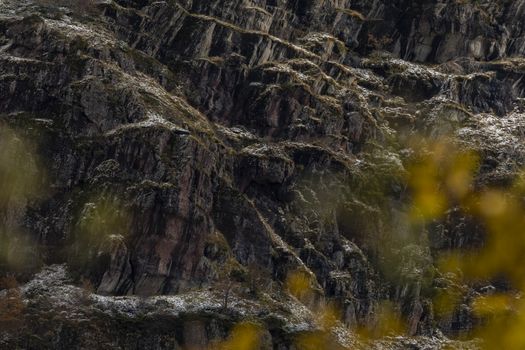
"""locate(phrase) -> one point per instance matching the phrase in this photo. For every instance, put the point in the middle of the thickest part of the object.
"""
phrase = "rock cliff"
(180, 151)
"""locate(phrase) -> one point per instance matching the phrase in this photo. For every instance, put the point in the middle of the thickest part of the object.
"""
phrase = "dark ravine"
(236, 142)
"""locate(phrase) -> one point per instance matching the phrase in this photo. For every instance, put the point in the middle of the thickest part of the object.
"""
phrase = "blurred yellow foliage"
(491, 305)
(21, 180)
(103, 216)
(446, 301)
(443, 178)
(460, 174)
(244, 336)
(313, 341)
(299, 284)
(20, 176)
(388, 322)
(328, 315)
(505, 316)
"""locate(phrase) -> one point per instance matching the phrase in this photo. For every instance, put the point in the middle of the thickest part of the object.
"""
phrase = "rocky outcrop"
(192, 144)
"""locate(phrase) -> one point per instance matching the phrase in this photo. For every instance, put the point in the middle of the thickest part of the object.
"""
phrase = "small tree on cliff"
(225, 284)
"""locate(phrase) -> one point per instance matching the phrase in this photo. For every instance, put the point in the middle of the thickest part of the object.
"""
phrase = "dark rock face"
(439, 31)
(183, 141)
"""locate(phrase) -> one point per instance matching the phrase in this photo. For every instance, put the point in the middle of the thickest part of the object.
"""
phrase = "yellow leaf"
(244, 336)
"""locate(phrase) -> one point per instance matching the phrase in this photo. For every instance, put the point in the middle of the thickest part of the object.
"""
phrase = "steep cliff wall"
(182, 146)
